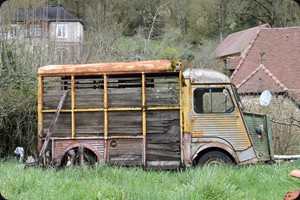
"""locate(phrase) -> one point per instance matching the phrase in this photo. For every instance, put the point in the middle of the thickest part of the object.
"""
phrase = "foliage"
(17, 104)
(277, 13)
(104, 182)
(169, 53)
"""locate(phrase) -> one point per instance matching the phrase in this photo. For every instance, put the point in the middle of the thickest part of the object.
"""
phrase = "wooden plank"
(55, 118)
(52, 98)
(171, 148)
(162, 140)
(160, 153)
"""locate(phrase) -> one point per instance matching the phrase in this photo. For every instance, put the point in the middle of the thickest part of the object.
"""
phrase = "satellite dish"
(265, 98)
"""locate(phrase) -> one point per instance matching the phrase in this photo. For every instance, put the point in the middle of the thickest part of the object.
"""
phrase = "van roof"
(204, 76)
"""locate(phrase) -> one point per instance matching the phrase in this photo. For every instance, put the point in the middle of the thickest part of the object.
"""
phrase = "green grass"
(106, 182)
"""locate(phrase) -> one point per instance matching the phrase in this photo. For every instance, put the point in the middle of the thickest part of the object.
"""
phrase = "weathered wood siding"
(124, 114)
(163, 136)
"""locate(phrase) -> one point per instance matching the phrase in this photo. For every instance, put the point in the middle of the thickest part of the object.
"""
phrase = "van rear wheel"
(214, 158)
(78, 156)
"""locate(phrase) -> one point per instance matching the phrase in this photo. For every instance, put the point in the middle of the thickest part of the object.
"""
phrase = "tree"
(209, 19)
(277, 13)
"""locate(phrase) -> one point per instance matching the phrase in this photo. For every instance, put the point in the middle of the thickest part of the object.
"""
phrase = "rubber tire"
(214, 158)
(92, 157)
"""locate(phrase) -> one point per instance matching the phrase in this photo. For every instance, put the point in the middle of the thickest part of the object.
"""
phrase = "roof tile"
(281, 60)
(236, 43)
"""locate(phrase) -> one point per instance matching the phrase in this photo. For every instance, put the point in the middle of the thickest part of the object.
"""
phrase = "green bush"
(18, 105)
(169, 53)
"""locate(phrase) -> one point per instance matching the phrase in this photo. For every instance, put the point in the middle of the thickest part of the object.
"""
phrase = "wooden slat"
(55, 118)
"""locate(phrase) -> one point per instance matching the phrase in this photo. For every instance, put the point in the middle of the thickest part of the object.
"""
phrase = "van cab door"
(216, 118)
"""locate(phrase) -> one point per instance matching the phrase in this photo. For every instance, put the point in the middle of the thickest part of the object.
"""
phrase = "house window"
(212, 100)
(9, 32)
(61, 31)
(34, 31)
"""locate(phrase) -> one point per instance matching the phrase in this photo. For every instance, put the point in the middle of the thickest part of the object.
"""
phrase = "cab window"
(212, 100)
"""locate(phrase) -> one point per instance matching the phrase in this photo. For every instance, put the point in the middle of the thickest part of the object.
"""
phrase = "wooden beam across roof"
(154, 66)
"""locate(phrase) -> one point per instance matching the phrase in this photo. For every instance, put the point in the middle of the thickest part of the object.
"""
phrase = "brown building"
(230, 50)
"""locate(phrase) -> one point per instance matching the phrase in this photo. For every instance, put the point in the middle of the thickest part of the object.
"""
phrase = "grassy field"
(107, 182)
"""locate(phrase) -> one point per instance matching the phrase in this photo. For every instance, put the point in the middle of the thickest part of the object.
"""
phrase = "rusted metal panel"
(62, 146)
(230, 127)
(205, 76)
(213, 143)
(187, 143)
(125, 151)
(187, 107)
(111, 68)
(248, 154)
(226, 125)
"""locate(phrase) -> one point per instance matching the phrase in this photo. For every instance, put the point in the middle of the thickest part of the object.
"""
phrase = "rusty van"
(153, 114)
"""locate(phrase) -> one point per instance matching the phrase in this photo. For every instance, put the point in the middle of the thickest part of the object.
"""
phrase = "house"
(271, 62)
(51, 29)
(230, 50)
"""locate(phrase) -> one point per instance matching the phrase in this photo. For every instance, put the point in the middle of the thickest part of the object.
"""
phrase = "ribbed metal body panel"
(229, 127)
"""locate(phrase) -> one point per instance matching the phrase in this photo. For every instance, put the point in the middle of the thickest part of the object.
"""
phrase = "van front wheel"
(213, 158)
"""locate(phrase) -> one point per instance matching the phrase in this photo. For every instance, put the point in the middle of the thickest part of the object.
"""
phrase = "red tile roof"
(233, 62)
(259, 80)
(236, 43)
(281, 48)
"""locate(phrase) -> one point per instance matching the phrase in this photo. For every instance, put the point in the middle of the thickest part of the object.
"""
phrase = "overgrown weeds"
(106, 182)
